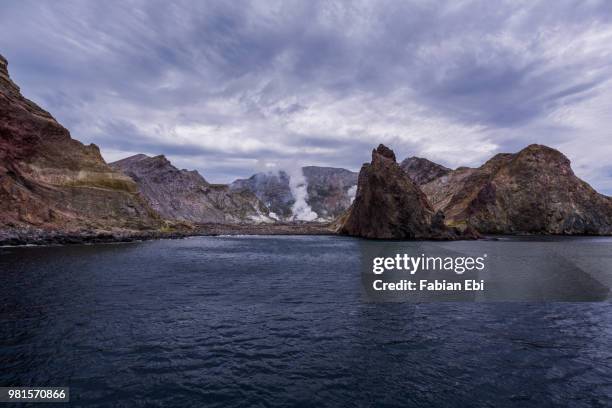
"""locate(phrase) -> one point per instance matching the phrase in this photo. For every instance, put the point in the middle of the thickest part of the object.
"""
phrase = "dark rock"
(385, 152)
(389, 205)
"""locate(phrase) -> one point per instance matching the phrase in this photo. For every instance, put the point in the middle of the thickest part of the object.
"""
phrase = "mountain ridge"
(422, 170)
(184, 195)
(532, 191)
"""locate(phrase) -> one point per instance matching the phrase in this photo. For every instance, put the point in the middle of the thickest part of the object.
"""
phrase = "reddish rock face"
(49, 181)
(389, 205)
(532, 191)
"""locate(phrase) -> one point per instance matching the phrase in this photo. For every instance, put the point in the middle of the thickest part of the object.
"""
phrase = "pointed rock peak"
(389, 205)
(383, 151)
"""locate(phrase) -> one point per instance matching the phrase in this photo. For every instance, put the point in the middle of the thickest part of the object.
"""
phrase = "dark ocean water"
(283, 321)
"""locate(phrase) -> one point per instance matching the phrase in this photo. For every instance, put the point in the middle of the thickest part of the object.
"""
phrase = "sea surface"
(286, 321)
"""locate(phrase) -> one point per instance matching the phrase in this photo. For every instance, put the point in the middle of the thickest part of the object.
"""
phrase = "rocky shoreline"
(48, 238)
(41, 238)
(288, 228)
(89, 237)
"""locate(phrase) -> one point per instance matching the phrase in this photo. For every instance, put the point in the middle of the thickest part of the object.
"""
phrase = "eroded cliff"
(50, 182)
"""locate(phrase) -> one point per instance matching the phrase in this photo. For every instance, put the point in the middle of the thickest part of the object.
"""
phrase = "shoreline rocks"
(46, 237)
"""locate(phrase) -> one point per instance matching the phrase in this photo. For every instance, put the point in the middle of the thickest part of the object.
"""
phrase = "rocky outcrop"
(272, 189)
(533, 191)
(330, 191)
(389, 205)
(186, 196)
(51, 182)
(422, 171)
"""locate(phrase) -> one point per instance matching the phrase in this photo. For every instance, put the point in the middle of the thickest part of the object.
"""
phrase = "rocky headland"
(390, 205)
(533, 191)
(51, 184)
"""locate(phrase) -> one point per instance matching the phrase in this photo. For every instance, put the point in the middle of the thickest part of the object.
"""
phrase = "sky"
(231, 88)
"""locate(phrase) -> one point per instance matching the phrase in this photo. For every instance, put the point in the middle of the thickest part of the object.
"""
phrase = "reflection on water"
(277, 321)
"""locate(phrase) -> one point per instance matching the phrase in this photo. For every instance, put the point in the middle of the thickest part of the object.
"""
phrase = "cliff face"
(330, 190)
(422, 171)
(389, 205)
(272, 189)
(532, 191)
(186, 196)
(51, 182)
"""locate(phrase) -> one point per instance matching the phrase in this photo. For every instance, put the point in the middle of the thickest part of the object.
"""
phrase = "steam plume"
(299, 189)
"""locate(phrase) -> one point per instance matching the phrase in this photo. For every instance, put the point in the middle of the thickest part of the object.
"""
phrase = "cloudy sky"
(231, 87)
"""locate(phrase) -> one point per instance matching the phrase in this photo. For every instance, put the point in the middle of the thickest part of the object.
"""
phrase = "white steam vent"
(299, 189)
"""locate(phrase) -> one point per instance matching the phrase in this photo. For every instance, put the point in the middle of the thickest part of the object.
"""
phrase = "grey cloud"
(112, 71)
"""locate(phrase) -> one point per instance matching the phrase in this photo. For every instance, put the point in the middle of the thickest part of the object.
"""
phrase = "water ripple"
(278, 321)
